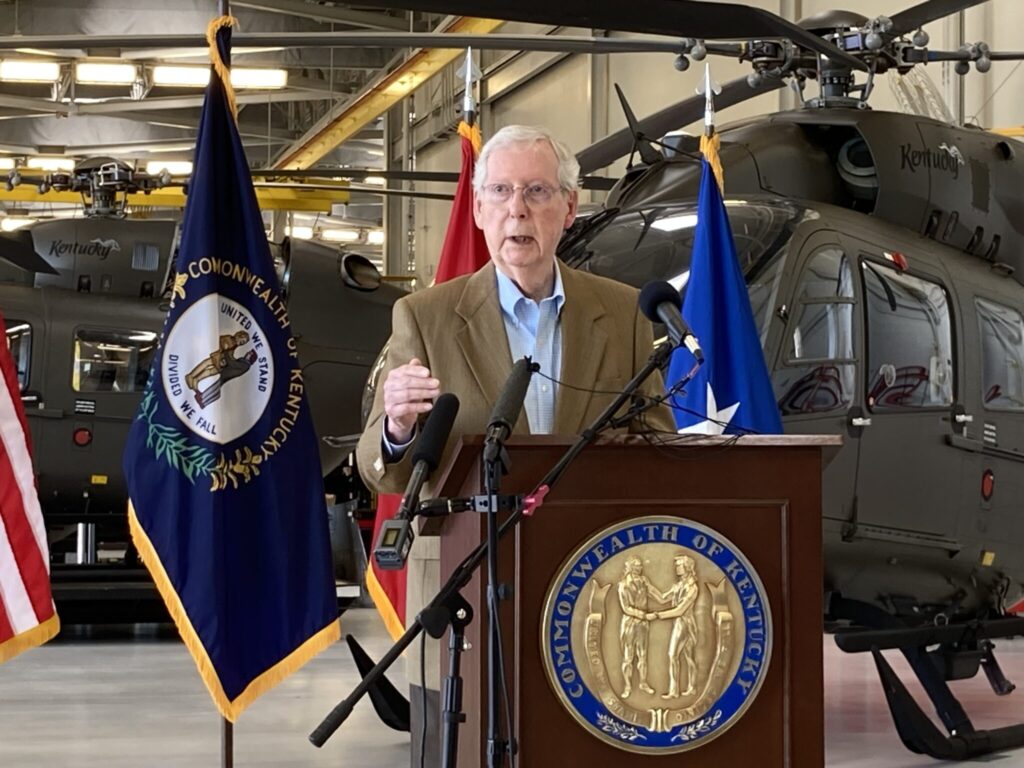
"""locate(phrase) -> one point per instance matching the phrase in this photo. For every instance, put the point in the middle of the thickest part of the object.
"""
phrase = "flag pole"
(468, 103)
(227, 731)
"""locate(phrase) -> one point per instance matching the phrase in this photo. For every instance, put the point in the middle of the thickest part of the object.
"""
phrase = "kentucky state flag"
(226, 499)
(732, 392)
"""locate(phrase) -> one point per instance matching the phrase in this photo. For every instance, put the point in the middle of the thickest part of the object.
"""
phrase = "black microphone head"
(438, 426)
(510, 402)
(656, 293)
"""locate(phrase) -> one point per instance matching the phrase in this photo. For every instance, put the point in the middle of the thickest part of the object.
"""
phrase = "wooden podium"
(762, 493)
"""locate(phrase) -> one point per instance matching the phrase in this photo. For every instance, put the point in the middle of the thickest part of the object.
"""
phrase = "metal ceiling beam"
(30, 104)
(189, 102)
(326, 13)
(379, 96)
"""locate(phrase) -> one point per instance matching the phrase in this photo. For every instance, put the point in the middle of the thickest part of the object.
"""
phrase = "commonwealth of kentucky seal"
(218, 381)
(656, 634)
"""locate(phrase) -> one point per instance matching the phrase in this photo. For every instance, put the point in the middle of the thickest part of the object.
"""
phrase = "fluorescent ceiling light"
(193, 76)
(173, 167)
(245, 77)
(98, 73)
(340, 235)
(6, 163)
(23, 71)
(11, 223)
(51, 163)
(299, 233)
(198, 77)
(375, 237)
(377, 181)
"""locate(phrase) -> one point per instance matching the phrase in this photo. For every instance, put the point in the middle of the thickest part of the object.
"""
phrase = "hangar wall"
(574, 96)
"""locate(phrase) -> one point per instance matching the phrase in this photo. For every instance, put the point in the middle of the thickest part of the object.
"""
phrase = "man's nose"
(517, 206)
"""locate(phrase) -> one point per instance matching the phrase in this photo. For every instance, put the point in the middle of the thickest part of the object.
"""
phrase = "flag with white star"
(731, 392)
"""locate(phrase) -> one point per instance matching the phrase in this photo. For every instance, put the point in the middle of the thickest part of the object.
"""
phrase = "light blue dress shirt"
(534, 331)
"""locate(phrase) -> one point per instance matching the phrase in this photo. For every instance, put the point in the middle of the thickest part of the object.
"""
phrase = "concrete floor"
(97, 698)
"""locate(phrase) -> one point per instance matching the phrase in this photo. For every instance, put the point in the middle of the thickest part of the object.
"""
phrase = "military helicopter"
(882, 255)
(84, 302)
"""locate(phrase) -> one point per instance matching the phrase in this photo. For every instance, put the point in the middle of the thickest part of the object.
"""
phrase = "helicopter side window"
(819, 369)
(910, 345)
(112, 360)
(1002, 355)
(19, 342)
(146, 256)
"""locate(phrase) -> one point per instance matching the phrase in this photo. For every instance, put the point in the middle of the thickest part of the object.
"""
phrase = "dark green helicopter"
(84, 302)
(882, 253)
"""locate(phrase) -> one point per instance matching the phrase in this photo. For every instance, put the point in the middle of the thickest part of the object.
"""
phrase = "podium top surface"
(467, 449)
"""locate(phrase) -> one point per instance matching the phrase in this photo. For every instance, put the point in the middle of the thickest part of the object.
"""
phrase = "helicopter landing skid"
(962, 649)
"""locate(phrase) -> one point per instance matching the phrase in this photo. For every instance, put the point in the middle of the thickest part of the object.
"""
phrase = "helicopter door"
(908, 479)
(23, 318)
(815, 372)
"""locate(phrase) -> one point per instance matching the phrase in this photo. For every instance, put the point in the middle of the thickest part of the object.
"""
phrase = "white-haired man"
(462, 336)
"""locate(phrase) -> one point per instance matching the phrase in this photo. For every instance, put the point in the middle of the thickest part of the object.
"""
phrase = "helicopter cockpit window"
(819, 371)
(635, 247)
(112, 361)
(910, 345)
(1002, 355)
(19, 341)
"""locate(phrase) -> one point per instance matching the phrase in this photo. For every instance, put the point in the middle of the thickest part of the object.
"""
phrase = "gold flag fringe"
(29, 639)
(472, 133)
(709, 145)
(384, 606)
(222, 69)
(229, 708)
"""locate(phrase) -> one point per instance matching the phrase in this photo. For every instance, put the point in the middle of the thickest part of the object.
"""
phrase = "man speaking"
(462, 336)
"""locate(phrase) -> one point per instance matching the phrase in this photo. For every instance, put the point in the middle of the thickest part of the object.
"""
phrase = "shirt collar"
(509, 294)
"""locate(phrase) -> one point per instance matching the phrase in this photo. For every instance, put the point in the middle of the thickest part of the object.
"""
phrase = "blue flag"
(227, 503)
(732, 392)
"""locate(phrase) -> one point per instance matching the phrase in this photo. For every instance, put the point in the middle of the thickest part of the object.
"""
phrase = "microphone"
(660, 302)
(396, 534)
(510, 403)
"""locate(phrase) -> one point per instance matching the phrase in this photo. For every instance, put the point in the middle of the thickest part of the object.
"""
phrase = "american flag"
(27, 614)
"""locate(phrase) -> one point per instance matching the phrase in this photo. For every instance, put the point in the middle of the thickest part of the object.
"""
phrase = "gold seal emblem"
(656, 634)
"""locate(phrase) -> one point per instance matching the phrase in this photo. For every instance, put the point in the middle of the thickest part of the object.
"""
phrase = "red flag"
(464, 251)
(27, 614)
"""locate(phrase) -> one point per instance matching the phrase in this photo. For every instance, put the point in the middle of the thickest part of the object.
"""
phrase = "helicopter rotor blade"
(19, 249)
(927, 12)
(612, 147)
(685, 18)
(356, 174)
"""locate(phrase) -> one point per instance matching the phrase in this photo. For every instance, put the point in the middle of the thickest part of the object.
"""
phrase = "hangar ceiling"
(143, 120)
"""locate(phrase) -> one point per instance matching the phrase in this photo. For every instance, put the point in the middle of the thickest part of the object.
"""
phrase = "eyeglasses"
(534, 194)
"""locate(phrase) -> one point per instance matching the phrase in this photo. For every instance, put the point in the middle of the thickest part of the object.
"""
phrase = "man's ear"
(574, 204)
(477, 213)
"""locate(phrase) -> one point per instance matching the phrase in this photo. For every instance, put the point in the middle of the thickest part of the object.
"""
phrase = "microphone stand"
(496, 464)
(464, 571)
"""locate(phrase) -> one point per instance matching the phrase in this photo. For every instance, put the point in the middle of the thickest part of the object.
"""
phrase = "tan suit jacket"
(457, 331)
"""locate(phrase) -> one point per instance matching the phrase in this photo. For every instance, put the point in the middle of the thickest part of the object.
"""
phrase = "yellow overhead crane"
(318, 199)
